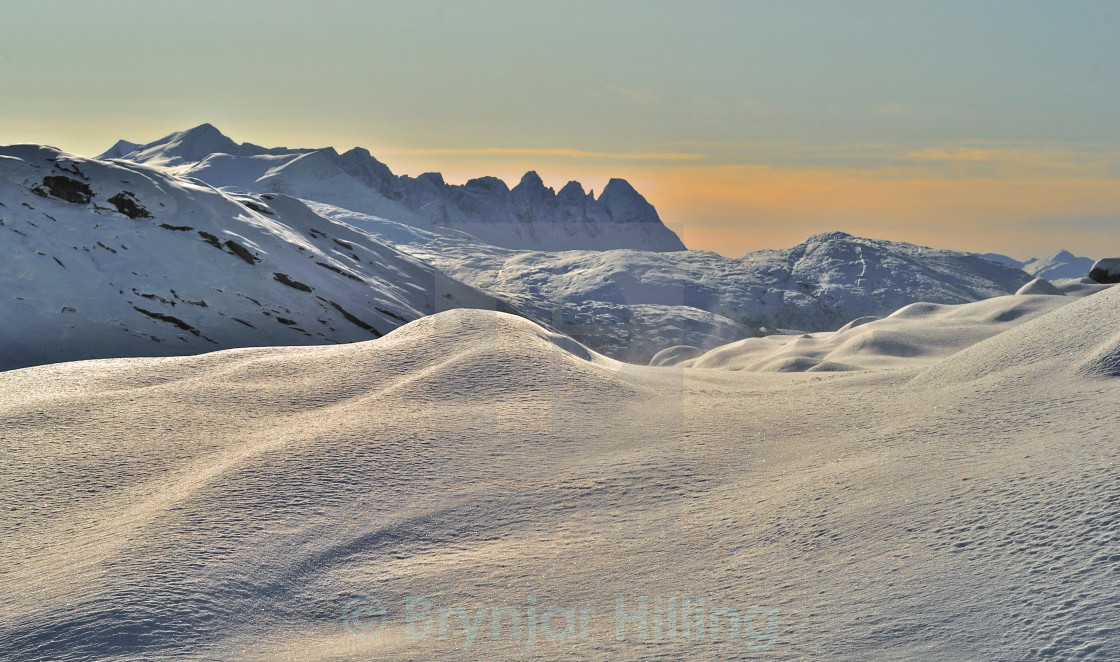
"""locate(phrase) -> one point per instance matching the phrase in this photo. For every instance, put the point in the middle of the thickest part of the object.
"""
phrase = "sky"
(978, 126)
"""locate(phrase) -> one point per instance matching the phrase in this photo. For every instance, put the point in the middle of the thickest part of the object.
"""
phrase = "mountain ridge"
(1053, 266)
(527, 216)
(115, 259)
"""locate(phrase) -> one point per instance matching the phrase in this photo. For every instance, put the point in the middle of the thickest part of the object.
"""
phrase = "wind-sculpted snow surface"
(473, 486)
(117, 259)
(1081, 339)
(919, 334)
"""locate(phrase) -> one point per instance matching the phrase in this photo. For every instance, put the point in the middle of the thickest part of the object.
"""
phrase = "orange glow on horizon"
(735, 209)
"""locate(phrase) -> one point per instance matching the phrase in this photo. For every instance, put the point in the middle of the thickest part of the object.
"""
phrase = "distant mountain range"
(195, 242)
(631, 304)
(1057, 265)
(528, 216)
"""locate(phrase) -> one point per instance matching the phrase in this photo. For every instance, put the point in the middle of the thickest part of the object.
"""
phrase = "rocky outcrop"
(126, 203)
(1106, 270)
(64, 188)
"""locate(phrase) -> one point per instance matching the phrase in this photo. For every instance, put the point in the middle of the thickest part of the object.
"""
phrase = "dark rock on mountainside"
(1106, 270)
(65, 188)
(126, 203)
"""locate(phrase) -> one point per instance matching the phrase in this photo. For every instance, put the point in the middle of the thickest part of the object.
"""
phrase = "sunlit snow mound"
(1040, 286)
(918, 334)
(238, 445)
(1082, 339)
(490, 354)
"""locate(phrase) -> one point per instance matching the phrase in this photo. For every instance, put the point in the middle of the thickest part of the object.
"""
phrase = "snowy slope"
(118, 259)
(272, 503)
(529, 216)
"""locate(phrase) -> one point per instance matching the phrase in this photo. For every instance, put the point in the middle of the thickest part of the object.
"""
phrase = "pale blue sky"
(648, 91)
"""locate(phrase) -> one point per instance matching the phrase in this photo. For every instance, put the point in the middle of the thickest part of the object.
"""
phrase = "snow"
(819, 285)
(1077, 340)
(177, 148)
(624, 303)
(85, 281)
(242, 504)
(918, 334)
(1040, 286)
(1059, 264)
(1106, 270)
(1079, 286)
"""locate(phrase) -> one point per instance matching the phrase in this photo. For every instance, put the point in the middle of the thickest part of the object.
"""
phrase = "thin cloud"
(1017, 160)
(955, 154)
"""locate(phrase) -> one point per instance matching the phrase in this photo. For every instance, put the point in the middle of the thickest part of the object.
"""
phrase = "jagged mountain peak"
(623, 204)
(571, 190)
(432, 179)
(530, 215)
(619, 186)
(531, 180)
(492, 184)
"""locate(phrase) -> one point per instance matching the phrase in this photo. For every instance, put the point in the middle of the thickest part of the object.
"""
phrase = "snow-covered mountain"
(119, 259)
(1059, 264)
(1055, 266)
(631, 304)
(148, 259)
(528, 216)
